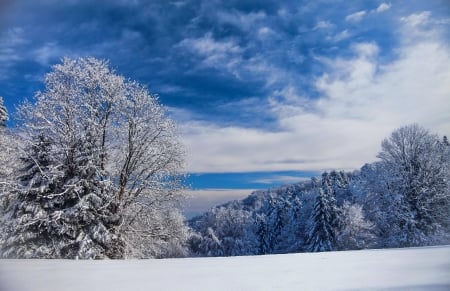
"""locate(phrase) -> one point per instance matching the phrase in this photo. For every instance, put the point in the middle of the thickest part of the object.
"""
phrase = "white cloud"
(244, 21)
(417, 19)
(356, 17)
(224, 54)
(362, 101)
(11, 42)
(265, 32)
(48, 52)
(345, 34)
(323, 25)
(207, 46)
(383, 7)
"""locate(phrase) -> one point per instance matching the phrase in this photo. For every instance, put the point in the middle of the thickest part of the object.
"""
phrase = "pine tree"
(3, 113)
(51, 219)
(262, 234)
(28, 227)
(322, 234)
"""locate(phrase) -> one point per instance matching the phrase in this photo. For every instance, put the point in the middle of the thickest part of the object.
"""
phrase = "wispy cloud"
(244, 21)
(49, 53)
(383, 7)
(213, 53)
(417, 19)
(356, 17)
(10, 42)
(342, 35)
(323, 24)
(363, 99)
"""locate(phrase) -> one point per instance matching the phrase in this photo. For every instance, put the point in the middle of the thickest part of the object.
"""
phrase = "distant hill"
(402, 200)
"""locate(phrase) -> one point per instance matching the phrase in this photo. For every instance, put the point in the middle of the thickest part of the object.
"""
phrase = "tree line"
(94, 169)
(402, 200)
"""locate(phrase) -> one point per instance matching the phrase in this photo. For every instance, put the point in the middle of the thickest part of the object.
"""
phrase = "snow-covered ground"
(394, 269)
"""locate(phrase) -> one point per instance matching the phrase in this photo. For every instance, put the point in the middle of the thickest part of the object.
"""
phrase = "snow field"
(391, 269)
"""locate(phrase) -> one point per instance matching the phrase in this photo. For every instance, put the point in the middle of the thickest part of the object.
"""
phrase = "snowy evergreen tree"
(445, 141)
(101, 170)
(3, 113)
(322, 234)
(291, 235)
(262, 234)
(275, 222)
(52, 219)
(10, 149)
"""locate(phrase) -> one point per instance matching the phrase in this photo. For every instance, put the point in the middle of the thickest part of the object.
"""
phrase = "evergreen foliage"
(322, 235)
(3, 113)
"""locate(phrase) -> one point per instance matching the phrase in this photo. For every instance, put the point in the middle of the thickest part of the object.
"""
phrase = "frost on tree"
(10, 148)
(224, 231)
(101, 172)
(322, 234)
(412, 186)
(3, 113)
(355, 231)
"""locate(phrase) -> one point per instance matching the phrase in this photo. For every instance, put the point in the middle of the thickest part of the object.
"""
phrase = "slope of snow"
(394, 269)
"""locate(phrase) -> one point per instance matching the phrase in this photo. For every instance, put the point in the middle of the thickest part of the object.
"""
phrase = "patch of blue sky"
(247, 180)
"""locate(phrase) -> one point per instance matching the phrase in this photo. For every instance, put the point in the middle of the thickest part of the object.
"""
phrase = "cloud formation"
(356, 17)
(254, 85)
(362, 99)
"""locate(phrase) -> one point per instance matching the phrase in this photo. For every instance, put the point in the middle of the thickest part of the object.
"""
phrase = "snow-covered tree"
(291, 235)
(416, 167)
(445, 141)
(113, 176)
(225, 231)
(7, 147)
(147, 162)
(3, 113)
(262, 234)
(47, 223)
(355, 232)
(322, 234)
(10, 149)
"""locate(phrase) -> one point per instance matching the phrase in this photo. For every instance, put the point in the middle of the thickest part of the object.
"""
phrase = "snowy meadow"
(426, 268)
(313, 136)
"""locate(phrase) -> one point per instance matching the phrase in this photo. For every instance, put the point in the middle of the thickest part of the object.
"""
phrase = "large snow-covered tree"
(415, 176)
(110, 180)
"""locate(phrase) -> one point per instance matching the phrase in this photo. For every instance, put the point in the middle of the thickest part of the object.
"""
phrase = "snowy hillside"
(395, 269)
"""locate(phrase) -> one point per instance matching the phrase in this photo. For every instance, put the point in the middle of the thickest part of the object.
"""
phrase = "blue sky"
(264, 92)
